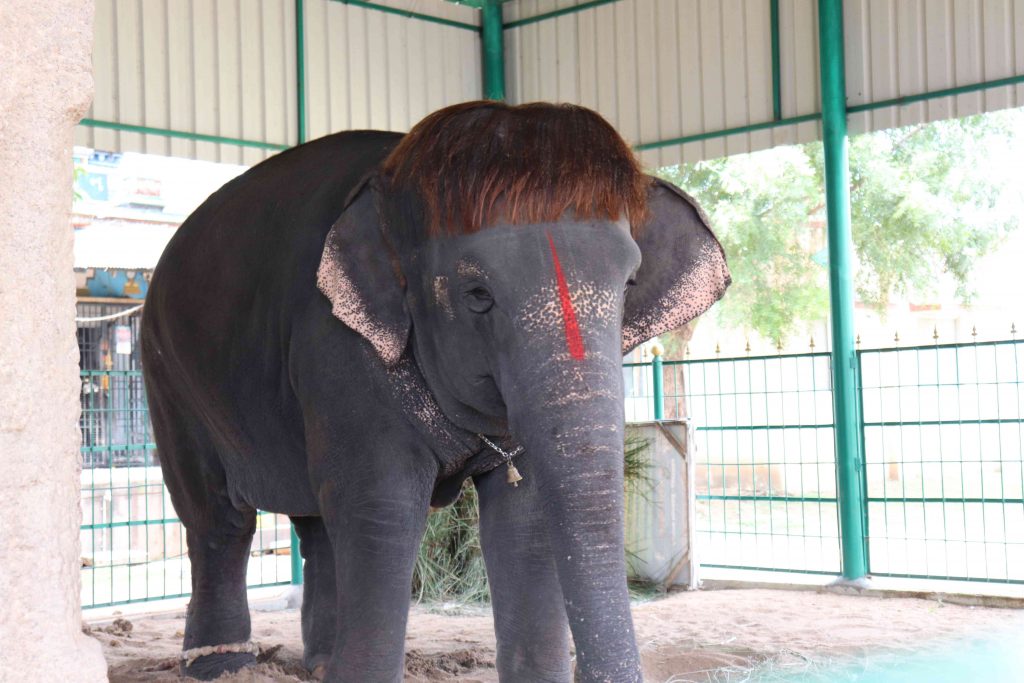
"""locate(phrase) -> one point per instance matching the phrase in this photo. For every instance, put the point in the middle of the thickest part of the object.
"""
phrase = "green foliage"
(923, 208)
(450, 565)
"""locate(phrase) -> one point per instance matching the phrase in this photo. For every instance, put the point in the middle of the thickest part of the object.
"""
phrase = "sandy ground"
(719, 636)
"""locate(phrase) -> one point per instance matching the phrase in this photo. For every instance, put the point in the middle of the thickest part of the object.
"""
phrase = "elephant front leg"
(375, 514)
(319, 594)
(529, 614)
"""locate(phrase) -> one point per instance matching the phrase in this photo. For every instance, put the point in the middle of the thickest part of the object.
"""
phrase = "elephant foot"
(318, 672)
(209, 667)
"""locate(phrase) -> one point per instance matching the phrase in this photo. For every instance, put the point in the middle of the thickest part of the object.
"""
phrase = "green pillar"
(300, 90)
(840, 249)
(300, 67)
(773, 13)
(657, 383)
(492, 37)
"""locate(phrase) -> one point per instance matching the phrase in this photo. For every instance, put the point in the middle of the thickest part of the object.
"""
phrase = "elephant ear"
(358, 275)
(683, 271)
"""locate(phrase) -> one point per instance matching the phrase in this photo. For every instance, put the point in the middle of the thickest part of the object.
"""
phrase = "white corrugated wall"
(658, 69)
(896, 48)
(228, 68)
(663, 69)
(369, 69)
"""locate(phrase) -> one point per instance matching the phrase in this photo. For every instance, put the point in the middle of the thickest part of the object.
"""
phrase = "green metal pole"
(492, 37)
(840, 248)
(300, 67)
(657, 383)
(776, 62)
(300, 91)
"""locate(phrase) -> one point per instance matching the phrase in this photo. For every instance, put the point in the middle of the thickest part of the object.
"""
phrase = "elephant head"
(518, 253)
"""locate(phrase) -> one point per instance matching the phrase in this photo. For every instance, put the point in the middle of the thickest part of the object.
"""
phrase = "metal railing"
(943, 434)
(133, 545)
(942, 443)
(943, 469)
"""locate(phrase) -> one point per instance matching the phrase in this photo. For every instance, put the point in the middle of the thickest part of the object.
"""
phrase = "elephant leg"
(218, 533)
(529, 615)
(319, 595)
(375, 510)
(218, 611)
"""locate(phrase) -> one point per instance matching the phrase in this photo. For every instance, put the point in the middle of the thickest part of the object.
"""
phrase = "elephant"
(352, 329)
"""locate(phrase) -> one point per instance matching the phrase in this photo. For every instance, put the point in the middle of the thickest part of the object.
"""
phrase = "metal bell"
(513, 477)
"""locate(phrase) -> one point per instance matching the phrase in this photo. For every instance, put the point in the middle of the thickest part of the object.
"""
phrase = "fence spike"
(748, 345)
(718, 349)
(812, 342)
(935, 333)
(897, 337)
(1013, 329)
(857, 342)
(778, 345)
(974, 332)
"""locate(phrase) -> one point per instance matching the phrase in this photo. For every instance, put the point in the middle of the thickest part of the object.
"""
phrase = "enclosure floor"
(721, 635)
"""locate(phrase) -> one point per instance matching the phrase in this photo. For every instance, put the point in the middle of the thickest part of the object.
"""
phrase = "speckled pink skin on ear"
(693, 293)
(348, 306)
(683, 271)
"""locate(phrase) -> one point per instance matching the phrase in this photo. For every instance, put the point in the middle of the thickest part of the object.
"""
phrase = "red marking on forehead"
(573, 338)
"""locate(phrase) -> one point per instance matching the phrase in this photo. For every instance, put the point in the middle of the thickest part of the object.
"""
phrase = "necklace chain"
(503, 453)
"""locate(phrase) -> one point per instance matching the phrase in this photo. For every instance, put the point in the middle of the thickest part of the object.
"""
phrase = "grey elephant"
(351, 329)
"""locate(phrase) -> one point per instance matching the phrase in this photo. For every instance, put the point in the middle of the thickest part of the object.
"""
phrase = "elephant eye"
(479, 300)
(630, 282)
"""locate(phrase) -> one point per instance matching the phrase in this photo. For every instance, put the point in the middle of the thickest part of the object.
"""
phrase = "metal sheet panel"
(369, 69)
(228, 68)
(657, 69)
(661, 69)
(664, 69)
(901, 48)
(224, 67)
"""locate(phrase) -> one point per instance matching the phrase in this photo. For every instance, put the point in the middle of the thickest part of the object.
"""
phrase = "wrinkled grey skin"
(289, 368)
(512, 360)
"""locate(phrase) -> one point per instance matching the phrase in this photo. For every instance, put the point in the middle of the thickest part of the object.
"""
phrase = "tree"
(927, 202)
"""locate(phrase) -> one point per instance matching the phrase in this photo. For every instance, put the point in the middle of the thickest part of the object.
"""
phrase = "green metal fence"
(765, 461)
(133, 546)
(943, 461)
(942, 433)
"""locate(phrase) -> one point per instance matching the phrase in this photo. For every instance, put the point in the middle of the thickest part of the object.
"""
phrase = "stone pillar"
(45, 87)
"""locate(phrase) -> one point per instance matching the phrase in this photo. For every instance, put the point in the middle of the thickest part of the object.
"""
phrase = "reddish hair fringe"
(478, 163)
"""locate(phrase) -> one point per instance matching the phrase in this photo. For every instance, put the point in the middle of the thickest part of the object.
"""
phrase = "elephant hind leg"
(218, 612)
(319, 593)
(219, 535)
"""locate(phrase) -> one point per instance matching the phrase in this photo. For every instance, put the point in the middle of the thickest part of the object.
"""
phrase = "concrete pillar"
(45, 87)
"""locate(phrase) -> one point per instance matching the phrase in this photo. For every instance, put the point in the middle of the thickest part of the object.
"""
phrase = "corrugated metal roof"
(663, 69)
(657, 69)
(660, 69)
(228, 68)
(369, 69)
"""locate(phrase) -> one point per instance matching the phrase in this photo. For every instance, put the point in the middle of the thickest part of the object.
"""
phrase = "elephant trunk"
(571, 424)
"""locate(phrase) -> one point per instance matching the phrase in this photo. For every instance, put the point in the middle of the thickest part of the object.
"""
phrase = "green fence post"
(776, 61)
(657, 383)
(300, 68)
(840, 247)
(300, 92)
(492, 38)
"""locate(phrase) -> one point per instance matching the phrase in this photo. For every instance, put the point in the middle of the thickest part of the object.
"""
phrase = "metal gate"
(133, 546)
(942, 458)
